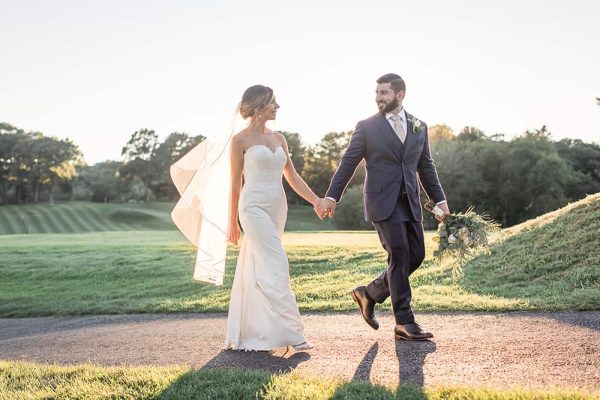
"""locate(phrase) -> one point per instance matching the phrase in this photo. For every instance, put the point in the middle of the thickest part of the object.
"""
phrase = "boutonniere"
(416, 125)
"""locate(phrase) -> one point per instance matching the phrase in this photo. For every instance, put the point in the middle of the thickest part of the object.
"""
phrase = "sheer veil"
(202, 177)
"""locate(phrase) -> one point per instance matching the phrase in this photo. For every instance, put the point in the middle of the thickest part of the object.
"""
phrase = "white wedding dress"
(263, 314)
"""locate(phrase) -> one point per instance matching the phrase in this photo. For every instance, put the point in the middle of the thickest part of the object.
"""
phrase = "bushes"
(350, 213)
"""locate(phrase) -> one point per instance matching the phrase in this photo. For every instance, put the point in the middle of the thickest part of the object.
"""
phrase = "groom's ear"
(400, 95)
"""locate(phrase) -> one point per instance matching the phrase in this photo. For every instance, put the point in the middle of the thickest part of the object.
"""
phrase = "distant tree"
(23, 173)
(440, 132)
(537, 176)
(9, 136)
(31, 162)
(142, 144)
(469, 133)
(350, 213)
(99, 182)
(584, 160)
(137, 154)
(167, 153)
(134, 171)
(460, 169)
(54, 161)
(297, 154)
(322, 160)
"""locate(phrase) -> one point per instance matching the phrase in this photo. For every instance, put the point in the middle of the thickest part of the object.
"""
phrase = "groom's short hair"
(395, 81)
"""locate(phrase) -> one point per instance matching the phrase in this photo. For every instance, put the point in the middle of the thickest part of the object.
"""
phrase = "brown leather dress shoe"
(411, 331)
(366, 306)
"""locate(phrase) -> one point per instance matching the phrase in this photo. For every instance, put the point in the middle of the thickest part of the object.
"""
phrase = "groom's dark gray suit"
(392, 202)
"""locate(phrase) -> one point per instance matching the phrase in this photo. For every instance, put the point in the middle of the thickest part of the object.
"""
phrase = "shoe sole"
(361, 313)
(400, 337)
(303, 348)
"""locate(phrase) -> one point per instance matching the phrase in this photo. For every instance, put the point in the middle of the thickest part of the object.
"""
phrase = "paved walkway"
(534, 350)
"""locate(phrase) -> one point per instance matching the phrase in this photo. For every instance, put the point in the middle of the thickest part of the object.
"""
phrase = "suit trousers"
(403, 240)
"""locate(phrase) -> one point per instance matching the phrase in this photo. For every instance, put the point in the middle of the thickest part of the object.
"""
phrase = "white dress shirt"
(402, 115)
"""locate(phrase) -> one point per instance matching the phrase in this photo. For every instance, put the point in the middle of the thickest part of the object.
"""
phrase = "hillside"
(545, 259)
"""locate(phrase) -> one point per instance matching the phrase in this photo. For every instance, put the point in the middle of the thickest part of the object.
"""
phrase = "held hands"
(325, 208)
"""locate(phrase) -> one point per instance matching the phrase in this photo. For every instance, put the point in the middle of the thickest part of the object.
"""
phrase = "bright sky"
(97, 71)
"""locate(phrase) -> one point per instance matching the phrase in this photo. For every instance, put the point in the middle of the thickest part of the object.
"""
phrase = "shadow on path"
(221, 377)
(411, 358)
(280, 361)
(363, 371)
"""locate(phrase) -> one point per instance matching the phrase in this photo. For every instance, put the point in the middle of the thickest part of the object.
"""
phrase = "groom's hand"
(328, 207)
(445, 209)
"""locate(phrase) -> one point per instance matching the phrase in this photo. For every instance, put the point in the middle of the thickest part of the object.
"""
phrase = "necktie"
(398, 128)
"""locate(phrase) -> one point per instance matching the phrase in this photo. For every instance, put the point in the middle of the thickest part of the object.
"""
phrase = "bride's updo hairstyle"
(254, 99)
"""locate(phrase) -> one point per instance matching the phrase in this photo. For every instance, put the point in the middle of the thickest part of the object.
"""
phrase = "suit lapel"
(388, 132)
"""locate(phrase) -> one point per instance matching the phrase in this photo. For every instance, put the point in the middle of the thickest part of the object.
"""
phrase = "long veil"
(202, 177)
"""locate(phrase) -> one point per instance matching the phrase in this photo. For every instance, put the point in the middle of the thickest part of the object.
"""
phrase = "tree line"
(510, 180)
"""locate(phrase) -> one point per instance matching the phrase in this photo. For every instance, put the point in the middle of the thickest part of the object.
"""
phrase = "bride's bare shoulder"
(239, 139)
(281, 137)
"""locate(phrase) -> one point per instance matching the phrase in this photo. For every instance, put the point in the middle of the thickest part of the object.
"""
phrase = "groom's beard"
(386, 108)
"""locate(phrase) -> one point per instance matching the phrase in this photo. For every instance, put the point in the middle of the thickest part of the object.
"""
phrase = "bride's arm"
(295, 180)
(237, 157)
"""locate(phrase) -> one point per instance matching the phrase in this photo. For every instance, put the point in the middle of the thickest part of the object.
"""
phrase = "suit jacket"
(390, 166)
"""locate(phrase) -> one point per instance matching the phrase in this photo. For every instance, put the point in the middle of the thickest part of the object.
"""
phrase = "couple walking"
(239, 178)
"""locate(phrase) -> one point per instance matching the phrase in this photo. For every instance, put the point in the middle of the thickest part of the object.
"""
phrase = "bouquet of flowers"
(460, 233)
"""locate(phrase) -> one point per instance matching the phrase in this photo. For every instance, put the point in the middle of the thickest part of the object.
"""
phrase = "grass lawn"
(551, 263)
(23, 380)
(150, 271)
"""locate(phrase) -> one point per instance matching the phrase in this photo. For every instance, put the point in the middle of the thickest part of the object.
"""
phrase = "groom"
(395, 147)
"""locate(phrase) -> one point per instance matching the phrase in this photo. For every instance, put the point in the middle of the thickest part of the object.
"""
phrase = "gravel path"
(532, 350)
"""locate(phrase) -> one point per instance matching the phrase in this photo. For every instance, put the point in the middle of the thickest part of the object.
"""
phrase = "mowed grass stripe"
(50, 213)
(44, 214)
(19, 220)
(115, 225)
(16, 216)
(102, 218)
(76, 216)
(69, 215)
(33, 225)
(7, 225)
(65, 221)
(41, 219)
(93, 224)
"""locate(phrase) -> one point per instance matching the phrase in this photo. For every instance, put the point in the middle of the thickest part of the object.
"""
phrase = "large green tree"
(9, 136)
(137, 154)
(536, 176)
(440, 132)
(584, 160)
(31, 162)
(98, 182)
(297, 154)
(170, 150)
(322, 160)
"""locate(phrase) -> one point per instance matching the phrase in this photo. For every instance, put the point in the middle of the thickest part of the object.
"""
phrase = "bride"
(263, 314)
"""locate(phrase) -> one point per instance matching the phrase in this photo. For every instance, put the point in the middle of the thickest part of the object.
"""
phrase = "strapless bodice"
(263, 166)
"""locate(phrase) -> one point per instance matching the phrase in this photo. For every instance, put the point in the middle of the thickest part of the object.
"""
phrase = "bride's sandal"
(303, 346)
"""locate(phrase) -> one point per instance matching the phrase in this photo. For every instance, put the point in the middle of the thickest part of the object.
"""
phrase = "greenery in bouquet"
(462, 233)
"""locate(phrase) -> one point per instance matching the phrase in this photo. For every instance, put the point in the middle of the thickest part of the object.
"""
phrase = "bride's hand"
(234, 233)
